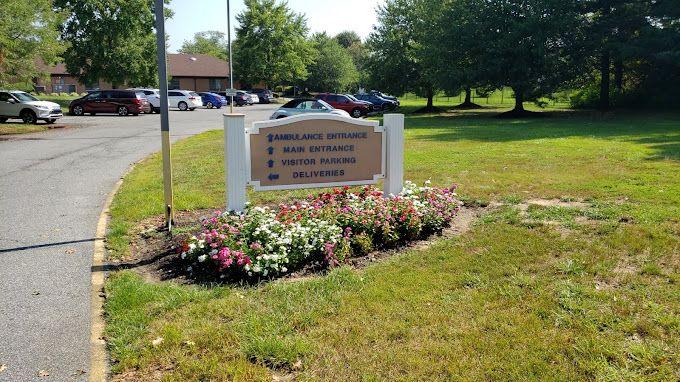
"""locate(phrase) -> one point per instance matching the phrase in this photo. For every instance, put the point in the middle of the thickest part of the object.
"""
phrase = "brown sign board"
(314, 151)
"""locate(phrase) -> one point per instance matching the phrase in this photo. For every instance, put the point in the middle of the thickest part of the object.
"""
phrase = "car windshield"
(193, 94)
(21, 96)
(324, 104)
(353, 98)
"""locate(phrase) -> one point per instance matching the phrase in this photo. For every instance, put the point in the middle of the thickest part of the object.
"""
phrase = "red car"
(339, 101)
(121, 102)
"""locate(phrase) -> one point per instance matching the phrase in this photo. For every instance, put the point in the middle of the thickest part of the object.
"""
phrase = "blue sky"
(332, 16)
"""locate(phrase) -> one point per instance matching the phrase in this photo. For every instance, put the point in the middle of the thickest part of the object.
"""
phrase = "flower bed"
(326, 229)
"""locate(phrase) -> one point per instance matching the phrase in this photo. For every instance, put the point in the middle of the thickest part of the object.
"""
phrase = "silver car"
(306, 105)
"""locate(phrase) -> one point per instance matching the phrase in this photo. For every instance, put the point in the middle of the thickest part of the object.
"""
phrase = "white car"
(18, 104)
(254, 97)
(184, 99)
(306, 105)
(153, 97)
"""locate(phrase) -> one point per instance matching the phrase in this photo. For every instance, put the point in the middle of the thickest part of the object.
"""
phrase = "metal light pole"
(165, 125)
(231, 67)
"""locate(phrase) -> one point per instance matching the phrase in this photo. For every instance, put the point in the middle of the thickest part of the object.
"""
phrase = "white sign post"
(311, 150)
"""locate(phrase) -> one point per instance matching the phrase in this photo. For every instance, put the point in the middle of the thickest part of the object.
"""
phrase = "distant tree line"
(609, 52)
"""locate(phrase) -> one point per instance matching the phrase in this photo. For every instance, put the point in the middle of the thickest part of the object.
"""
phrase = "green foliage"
(399, 60)
(333, 68)
(211, 43)
(28, 32)
(111, 40)
(271, 45)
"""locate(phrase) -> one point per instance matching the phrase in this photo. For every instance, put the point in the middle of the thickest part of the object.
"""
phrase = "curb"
(99, 362)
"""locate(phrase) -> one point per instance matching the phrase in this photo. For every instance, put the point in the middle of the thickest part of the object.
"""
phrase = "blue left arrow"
(273, 176)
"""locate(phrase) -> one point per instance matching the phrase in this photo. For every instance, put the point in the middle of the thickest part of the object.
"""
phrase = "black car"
(239, 100)
(379, 102)
(265, 95)
(383, 95)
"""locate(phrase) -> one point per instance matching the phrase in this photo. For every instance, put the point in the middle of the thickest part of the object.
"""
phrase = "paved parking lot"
(52, 188)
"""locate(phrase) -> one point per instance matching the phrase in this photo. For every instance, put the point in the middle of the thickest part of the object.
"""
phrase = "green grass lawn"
(582, 291)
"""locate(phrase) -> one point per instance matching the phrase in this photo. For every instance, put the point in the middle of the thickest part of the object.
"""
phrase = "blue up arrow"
(270, 150)
(270, 137)
(270, 163)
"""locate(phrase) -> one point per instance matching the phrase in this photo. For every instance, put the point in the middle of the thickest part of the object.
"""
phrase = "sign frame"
(258, 126)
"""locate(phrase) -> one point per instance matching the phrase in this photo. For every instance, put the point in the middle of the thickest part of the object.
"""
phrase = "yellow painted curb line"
(99, 365)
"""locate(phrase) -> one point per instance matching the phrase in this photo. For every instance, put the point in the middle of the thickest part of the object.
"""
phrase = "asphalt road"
(53, 186)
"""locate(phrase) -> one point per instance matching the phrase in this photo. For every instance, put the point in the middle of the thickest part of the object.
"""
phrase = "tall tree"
(332, 69)
(110, 40)
(533, 46)
(211, 43)
(347, 38)
(399, 60)
(612, 28)
(456, 47)
(271, 44)
(28, 32)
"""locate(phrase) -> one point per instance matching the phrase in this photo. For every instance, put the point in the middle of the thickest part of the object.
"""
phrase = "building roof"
(179, 65)
(196, 65)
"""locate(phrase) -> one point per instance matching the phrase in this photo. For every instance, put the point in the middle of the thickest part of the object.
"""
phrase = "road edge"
(99, 365)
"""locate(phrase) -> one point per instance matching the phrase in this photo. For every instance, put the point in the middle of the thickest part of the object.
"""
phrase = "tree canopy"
(212, 43)
(110, 40)
(271, 45)
(28, 34)
(333, 68)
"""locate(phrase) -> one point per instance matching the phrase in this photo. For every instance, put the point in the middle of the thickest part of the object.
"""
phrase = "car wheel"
(157, 110)
(183, 106)
(93, 114)
(209, 105)
(78, 110)
(51, 120)
(192, 109)
(356, 113)
(29, 117)
(122, 111)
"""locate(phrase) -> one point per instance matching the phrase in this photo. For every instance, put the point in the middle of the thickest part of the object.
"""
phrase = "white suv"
(184, 99)
(18, 104)
(153, 97)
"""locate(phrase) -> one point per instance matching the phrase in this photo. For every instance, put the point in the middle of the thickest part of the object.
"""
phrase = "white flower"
(183, 255)
(192, 246)
(202, 258)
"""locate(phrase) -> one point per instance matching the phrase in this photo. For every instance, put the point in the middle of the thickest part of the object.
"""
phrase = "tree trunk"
(430, 96)
(519, 101)
(604, 80)
(618, 74)
(468, 96)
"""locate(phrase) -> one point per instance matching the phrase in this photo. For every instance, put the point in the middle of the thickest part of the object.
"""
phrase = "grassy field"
(571, 274)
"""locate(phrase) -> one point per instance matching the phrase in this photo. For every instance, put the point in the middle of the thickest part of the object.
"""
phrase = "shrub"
(326, 229)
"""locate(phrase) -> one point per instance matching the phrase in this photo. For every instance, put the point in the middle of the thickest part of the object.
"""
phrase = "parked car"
(306, 105)
(252, 98)
(18, 104)
(239, 99)
(184, 99)
(339, 101)
(383, 95)
(369, 104)
(121, 102)
(380, 102)
(265, 95)
(211, 100)
(153, 96)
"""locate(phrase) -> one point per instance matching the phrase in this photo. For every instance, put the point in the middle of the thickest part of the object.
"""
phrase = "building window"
(173, 83)
(215, 85)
